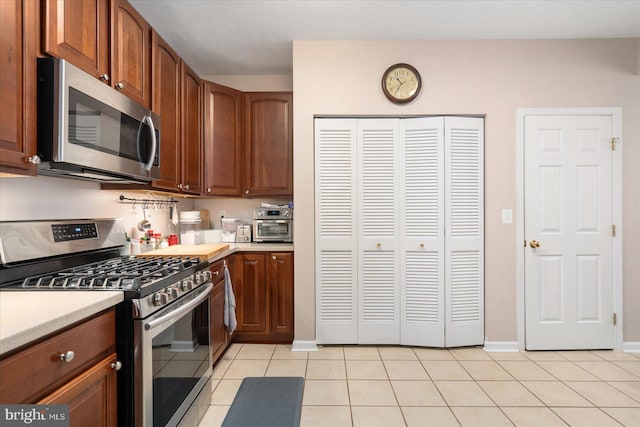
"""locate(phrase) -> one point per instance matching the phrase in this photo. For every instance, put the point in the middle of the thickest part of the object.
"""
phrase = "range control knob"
(160, 298)
(186, 285)
(173, 293)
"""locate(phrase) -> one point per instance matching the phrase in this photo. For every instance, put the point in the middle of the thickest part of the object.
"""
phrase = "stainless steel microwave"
(88, 130)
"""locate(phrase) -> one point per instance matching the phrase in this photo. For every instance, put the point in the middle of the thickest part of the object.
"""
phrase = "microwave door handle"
(147, 120)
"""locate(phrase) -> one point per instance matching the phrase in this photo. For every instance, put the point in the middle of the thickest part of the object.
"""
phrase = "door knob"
(534, 244)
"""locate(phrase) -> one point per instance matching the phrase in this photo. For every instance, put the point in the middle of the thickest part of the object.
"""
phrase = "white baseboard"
(501, 346)
(299, 345)
(631, 347)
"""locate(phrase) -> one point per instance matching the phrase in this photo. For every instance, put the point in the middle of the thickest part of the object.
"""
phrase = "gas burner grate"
(115, 274)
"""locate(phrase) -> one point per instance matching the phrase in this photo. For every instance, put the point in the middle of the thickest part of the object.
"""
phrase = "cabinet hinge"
(614, 141)
(615, 318)
(613, 230)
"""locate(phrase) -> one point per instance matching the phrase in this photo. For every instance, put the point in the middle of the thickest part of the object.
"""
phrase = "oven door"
(176, 358)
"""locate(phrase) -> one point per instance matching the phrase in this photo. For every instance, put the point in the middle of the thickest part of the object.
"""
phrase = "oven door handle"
(183, 309)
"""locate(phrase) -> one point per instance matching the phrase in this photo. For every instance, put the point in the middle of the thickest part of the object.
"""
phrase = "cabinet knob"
(180, 186)
(246, 191)
(117, 365)
(216, 273)
(104, 77)
(33, 160)
(186, 186)
(208, 189)
(67, 356)
(119, 85)
(273, 257)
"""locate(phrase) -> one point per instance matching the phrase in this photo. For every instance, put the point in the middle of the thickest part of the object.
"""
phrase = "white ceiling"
(244, 37)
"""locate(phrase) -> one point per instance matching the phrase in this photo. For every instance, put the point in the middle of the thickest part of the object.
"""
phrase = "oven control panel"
(68, 232)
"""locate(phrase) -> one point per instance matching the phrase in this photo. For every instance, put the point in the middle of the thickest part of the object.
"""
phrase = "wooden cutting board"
(204, 251)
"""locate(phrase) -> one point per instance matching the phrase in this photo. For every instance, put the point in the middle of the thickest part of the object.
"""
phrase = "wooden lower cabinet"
(86, 382)
(263, 287)
(218, 335)
(91, 396)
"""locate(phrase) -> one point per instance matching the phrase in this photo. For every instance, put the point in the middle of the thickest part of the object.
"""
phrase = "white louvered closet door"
(422, 232)
(336, 233)
(464, 231)
(378, 230)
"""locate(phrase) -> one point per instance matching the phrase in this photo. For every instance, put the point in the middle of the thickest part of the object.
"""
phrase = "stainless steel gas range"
(166, 357)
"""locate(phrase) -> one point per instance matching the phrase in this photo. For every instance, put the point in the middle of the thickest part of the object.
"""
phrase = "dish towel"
(229, 302)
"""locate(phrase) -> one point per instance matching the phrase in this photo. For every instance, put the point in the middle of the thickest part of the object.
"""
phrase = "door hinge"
(614, 141)
(525, 243)
(613, 230)
(615, 318)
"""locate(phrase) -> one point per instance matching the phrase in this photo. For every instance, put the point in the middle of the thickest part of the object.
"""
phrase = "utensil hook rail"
(149, 203)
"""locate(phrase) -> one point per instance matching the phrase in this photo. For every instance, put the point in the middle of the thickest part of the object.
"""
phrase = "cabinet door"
(464, 231)
(422, 232)
(268, 157)
(130, 47)
(92, 396)
(378, 232)
(191, 131)
(280, 301)
(218, 339)
(166, 103)
(18, 85)
(78, 31)
(251, 293)
(336, 231)
(223, 117)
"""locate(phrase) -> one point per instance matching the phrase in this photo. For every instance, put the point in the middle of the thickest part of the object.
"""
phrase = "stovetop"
(124, 273)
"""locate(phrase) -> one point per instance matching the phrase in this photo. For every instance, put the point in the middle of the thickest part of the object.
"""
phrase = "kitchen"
(471, 77)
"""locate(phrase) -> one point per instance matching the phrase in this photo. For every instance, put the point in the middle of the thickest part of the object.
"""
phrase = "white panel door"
(422, 232)
(378, 213)
(464, 231)
(336, 232)
(568, 212)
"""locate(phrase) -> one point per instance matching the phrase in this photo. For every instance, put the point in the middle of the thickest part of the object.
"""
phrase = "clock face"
(401, 83)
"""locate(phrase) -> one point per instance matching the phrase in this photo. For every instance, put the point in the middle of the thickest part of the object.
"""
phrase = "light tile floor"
(400, 386)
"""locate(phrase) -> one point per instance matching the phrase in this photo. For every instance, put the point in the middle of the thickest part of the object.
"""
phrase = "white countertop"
(26, 316)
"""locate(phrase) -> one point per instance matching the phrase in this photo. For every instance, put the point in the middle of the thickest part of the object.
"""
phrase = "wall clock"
(401, 83)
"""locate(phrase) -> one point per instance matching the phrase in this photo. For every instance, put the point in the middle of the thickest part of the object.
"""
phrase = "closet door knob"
(379, 245)
(422, 245)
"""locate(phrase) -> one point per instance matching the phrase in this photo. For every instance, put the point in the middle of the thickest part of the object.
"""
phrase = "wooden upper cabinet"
(130, 46)
(223, 138)
(268, 155)
(167, 81)
(191, 124)
(78, 30)
(20, 30)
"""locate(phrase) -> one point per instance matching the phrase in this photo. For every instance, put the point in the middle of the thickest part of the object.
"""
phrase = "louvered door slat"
(422, 224)
(378, 296)
(464, 239)
(336, 280)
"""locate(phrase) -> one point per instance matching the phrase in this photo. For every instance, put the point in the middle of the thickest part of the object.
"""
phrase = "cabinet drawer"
(217, 271)
(34, 372)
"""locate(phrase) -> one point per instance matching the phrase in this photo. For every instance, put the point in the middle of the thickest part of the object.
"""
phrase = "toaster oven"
(273, 225)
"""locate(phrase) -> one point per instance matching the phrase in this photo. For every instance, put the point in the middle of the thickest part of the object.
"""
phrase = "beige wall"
(254, 83)
(494, 78)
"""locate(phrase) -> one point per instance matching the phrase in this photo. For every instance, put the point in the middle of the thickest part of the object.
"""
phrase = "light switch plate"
(507, 216)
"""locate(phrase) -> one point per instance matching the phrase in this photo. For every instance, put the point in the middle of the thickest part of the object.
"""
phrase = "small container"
(173, 239)
(190, 224)
(229, 229)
